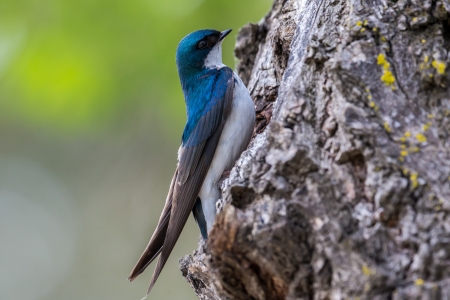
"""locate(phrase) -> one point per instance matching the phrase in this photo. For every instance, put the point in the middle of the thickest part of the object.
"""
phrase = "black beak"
(224, 33)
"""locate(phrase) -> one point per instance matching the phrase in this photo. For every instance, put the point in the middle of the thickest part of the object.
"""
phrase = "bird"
(220, 121)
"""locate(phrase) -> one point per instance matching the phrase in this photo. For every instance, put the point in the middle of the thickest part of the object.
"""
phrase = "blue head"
(198, 50)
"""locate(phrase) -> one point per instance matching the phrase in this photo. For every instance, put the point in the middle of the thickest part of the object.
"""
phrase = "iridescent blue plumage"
(220, 120)
(203, 87)
(203, 93)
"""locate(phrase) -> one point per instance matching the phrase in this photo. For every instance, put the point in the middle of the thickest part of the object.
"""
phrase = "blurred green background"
(91, 115)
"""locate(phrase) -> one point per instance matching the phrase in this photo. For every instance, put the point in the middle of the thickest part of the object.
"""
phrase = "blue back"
(202, 95)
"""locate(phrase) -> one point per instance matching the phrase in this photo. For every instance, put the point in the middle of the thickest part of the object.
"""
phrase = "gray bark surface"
(344, 192)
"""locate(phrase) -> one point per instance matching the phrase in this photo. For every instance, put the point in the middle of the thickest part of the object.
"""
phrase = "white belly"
(235, 137)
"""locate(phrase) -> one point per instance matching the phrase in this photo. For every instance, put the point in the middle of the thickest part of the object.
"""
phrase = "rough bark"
(345, 194)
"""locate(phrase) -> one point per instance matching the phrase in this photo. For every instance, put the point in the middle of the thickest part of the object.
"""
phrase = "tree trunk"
(346, 193)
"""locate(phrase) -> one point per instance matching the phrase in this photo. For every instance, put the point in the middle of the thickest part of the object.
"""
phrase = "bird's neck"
(196, 87)
(195, 79)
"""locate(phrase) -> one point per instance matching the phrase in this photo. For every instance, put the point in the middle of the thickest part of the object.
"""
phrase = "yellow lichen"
(365, 22)
(430, 116)
(366, 270)
(414, 180)
(439, 65)
(424, 41)
(362, 29)
(421, 138)
(424, 65)
(407, 134)
(402, 139)
(415, 149)
(438, 207)
(404, 153)
(359, 23)
(427, 126)
(401, 158)
(383, 39)
(419, 282)
(387, 77)
(403, 146)
(381, 60)
(372, 104)
(387, 127)
(375, 29)
(405, 171)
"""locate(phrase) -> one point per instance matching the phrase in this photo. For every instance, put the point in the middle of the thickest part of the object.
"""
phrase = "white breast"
(235, 137)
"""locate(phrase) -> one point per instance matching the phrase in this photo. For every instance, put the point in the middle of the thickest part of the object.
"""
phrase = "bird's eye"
(202, 45)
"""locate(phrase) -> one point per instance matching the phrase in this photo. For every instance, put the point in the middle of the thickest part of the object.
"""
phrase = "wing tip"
(133, 275)
(137, 270)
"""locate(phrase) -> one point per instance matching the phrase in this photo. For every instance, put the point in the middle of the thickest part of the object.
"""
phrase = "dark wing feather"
(185, 196)
(155, 245)
(222, 88)
(195, 157)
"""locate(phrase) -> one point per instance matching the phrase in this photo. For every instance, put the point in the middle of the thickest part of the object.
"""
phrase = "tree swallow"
(220, 121)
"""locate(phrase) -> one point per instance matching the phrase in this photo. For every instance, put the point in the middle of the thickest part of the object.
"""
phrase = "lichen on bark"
(344, 192)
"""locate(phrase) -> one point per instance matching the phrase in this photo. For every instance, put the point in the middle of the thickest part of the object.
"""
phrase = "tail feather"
(156, 243)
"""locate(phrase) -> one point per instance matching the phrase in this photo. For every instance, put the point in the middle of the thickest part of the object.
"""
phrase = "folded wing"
(195, 156)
